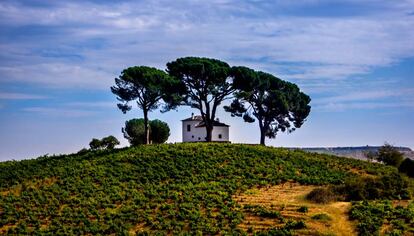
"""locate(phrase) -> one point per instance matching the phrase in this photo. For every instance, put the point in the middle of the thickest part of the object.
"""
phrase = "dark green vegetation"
(135, 132)
(147, 86)
(105, 143)
(372, 216)
(276, 104)
(159, 188)
(203, 84)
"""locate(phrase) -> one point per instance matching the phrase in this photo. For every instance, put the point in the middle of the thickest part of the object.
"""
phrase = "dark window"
(188, 128)
(192, 136)
(220, 136)
(199, 138)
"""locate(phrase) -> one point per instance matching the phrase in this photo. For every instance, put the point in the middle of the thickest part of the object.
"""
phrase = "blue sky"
(58, 60)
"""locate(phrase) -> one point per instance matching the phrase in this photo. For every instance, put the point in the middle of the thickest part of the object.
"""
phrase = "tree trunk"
(262, 134)
(146, 128)
(209, 129)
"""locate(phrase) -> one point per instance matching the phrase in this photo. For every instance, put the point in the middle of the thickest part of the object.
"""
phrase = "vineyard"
(191, 188)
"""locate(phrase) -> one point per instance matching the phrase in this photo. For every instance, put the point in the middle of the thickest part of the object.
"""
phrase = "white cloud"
(60, 112)
(255, 34)
(58, 75)
(20, 96)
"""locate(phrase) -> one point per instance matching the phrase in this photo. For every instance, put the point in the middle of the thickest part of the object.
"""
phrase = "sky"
(58, 60)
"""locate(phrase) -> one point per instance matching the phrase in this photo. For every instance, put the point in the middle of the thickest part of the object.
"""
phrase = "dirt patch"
(288, 198)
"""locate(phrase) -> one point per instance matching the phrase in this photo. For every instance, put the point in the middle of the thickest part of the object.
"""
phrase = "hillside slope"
(167, 188)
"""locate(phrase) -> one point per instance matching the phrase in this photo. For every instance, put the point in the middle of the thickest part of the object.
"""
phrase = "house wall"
(199, 134)
(196, 134)
(223, 130)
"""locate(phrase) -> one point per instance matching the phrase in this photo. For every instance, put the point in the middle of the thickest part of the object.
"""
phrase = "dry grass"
(288, 198)
(36, 183)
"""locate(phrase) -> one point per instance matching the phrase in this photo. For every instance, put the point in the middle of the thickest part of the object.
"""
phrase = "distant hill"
(189, 188)
(355, 152)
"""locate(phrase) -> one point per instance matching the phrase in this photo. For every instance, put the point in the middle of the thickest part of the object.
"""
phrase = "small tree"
(371, 155)
(407, 167)
(147, 86)
(95, 144)
(277, 105)
(109, 142)
(159, 131)
(105, 143)
(134, 131)
(389, 155)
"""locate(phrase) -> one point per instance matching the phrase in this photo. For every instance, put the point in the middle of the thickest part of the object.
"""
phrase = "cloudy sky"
(58, 60)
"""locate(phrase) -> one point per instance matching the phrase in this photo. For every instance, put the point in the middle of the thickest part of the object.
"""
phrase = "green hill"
(175, 188)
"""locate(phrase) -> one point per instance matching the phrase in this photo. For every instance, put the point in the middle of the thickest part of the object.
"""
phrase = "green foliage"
(389, 155)
(107, 143)
(277, 105)
(407, 167)
(322, 195)
(134, 131)
(159, 131)
(393, 186)
(160, 189)
(372, 215)
(303, 209)
(206, 82)
(147, 86)
(263, 212)
(95, 144)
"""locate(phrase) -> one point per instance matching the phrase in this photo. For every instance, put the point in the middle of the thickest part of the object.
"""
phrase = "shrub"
(109, 142)
(407, 167)
(105, 143)
(389, 155)
(159, 131)
(134, 131)
(322, 195)
(303, 209)
(95, 144)
(392, 186)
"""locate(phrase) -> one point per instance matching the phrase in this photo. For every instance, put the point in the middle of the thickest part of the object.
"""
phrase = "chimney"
(217, 119)
(192, 115)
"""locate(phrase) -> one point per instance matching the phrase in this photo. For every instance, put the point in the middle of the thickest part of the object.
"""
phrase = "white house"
(194, 130)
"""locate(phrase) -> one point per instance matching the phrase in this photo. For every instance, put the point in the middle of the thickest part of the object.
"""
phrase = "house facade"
(194, 130)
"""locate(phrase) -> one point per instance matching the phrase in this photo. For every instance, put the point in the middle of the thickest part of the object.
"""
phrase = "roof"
(215, 123)
(201, 124)
(195, 118)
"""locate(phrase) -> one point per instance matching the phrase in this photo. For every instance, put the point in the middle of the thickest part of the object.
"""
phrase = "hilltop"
(198, 188)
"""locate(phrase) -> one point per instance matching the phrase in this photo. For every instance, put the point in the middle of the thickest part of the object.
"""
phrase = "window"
(220, 136)
(192, 136)
(188, 128)
(199, 138)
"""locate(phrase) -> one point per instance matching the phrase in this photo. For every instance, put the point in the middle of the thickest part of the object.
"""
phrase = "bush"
(134, 131)
(105, 143)
(389, 155)
(159, 131)
(322, 195)
(407, 167)
(392, 186)
(109, 142)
